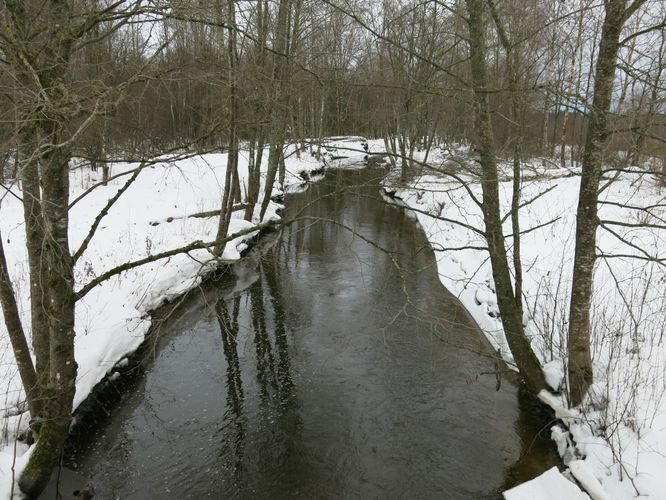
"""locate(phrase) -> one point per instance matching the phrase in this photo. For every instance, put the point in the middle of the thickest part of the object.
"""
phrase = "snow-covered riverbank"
(620, 439)
(152, 216)
(621, 435)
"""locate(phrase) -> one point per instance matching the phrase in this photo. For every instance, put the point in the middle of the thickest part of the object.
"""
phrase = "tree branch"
(103, 214)
(646, 255)
(195, 245)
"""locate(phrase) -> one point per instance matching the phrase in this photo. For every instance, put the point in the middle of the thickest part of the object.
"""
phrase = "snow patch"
(584, 476)
(551, 485)
(554, 373)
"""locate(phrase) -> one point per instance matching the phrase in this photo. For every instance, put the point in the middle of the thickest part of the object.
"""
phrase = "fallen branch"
(195, 245)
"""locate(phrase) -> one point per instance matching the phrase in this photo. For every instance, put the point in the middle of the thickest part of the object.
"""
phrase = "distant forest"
(396, 69)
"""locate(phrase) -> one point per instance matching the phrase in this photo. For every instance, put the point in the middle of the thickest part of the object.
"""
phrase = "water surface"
(336, 367)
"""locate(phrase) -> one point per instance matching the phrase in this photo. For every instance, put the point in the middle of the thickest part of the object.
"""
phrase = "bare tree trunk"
(249, 204)
(17, 336)
(280, 102)
(570, 90)
(580, 360)
(526, 360)
(231, 183)
(59, 391)
(105, 163)
(27, 145)
(261, 145)
(320, 128)
(258, 141)
(402, 139)
(47, 233)
(641, 129)
(512, 79)
(389, 145)
(545, 124)
(431, 138)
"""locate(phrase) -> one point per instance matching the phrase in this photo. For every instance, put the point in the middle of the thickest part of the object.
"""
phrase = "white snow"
(557, 405)
(551, 485)
(619, 434)
(152, 216)
(580, 470)
(624, 418)
(554, 373)
(345, 152)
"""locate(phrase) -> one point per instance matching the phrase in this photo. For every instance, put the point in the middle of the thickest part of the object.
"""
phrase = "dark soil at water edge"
(335, 368)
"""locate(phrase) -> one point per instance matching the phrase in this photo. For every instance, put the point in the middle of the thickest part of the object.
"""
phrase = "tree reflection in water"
(263, 348)
(275, 385)
(286, 389)
(233, 424)
(326, 392)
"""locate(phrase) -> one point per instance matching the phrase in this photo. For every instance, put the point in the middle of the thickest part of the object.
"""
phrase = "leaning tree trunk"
(34, 228)
(580, 360)
(524, 356)
(516, 129)
(17, 336)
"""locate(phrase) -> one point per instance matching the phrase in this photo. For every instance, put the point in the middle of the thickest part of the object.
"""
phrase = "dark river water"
(335, 366)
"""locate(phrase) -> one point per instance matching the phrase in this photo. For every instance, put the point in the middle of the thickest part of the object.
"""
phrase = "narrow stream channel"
(340, 369)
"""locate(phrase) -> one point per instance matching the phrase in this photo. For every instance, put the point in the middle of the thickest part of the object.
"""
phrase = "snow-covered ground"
(551, 485)
(152, 216)
(620, 435)
(619, 438)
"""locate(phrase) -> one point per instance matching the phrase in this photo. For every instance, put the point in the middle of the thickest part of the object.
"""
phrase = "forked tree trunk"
(525, 359)
(259, 132)
(231, 184)
(60, 388)
(47, 224)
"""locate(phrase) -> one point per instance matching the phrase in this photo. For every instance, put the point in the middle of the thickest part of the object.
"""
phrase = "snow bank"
(152, 216)
(551, 485)
(345, 151)
(624, 420)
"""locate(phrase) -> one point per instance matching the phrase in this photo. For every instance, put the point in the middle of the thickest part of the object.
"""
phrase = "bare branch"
(103, 213)
(195, 245)
(644, 255)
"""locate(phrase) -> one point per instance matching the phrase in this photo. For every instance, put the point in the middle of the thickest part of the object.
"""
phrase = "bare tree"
(38, 42)
(279, 99)
(231, 174)
(521, 349)
(580, 373)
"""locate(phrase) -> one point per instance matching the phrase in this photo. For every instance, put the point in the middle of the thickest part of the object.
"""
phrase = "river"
(335, 366)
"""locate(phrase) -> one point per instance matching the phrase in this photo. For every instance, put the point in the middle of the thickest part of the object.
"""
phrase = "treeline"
(383, 69)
